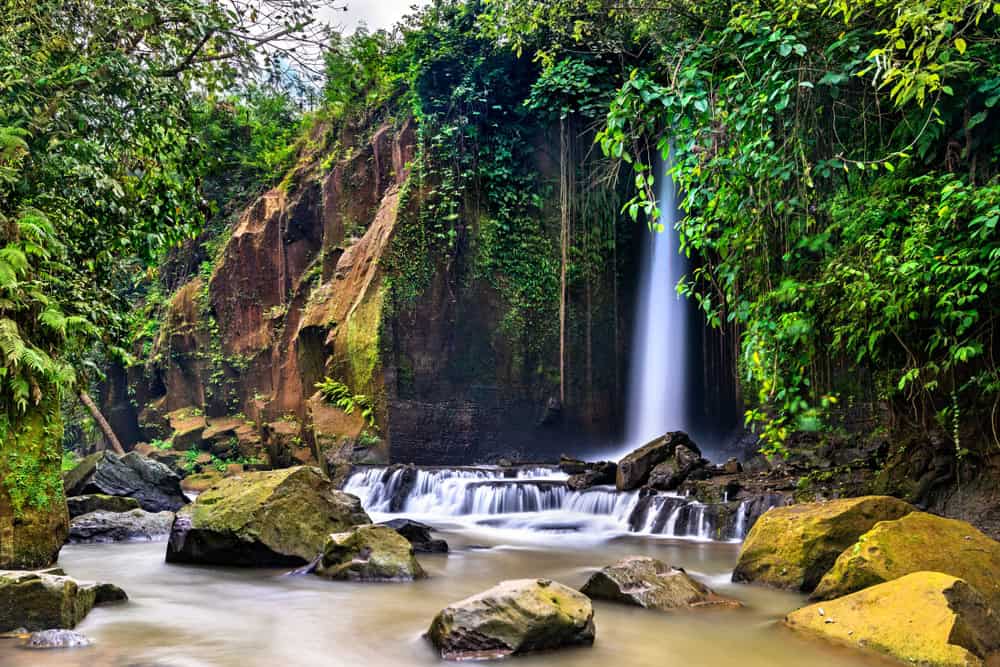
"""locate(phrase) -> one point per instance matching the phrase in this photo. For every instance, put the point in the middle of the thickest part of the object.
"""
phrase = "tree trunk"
(95, 412)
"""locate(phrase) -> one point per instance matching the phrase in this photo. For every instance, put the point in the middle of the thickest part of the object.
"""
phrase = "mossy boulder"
(276, 518)
(925, 618)
(369, 553)
(48, 599)
(650, 583)
(793, 547)
(99, 502)
(187, 427)
(514, 617)
(201, 481)
(917, 542)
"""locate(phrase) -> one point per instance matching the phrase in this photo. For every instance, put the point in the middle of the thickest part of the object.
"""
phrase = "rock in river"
(57, 639)
(635, 468)
(152, 484)
(917, 542)
(369, 553)
(79, 505)
(793, 547)
(650, 583)
(135, 526)
(513, 617)
(925, 618)
(277, 518)
(419, 535)
(48, 599)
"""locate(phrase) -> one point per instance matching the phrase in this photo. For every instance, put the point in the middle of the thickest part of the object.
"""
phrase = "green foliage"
(339, 394)
(69, 461)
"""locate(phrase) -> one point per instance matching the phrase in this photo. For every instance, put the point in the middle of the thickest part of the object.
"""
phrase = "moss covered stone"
(652, 584)
(274, 518)
(48, 599)
(925, 618)
(917, 542)
(513, 617)
(793, 547)
(369, 553)
(99, 502)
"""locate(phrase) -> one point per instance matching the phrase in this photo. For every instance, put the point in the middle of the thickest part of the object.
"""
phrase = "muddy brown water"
(193, 616)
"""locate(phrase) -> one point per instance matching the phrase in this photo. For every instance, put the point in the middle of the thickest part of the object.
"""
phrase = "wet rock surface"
(47, 599)
(78, 505)
(925, 618)
(418, 534)
(650, 583)
(635, 468)
(135, 526)
(369, 553)
(152, 484)
(280, 518)
(514, 617)
(597, 474)
(793, 547)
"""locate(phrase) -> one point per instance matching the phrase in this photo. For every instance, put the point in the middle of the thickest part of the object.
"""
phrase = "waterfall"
(657, 386)
(539, 499)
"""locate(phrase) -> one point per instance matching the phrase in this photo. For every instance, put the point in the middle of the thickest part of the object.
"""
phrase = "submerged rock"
(635, 468)
(48, 599)
(513, 617)
(650, 583)
(57, 639)
(276, 518)
(418, 534)
(135, 526)
(925, 618)
(79, 505)
(369, 553)
(152, 484)
(917, 542)
(793, 547)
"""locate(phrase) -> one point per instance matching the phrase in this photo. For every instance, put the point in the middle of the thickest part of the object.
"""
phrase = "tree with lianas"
(839, 170)
(100, 170)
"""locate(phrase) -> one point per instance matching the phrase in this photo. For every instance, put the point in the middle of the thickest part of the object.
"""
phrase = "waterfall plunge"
(658, 384)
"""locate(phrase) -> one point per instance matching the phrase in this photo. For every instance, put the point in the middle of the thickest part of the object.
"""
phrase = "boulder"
(188, 427)
(57, 639)
(572, 466)
(152, 484)
(634, 469)
(513, 617)
(369, 553)
(598, 474)
(135, 526)
(647, 582)
(48, 599)
(925, 618)
(276, 518)
(202, 481)
(917, 542)
(99, 502)
(419, 535)
(793, 547)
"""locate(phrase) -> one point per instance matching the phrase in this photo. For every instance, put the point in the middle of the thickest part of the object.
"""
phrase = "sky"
(374, 13)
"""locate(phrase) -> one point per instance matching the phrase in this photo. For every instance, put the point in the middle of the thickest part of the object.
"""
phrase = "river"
(194, 616)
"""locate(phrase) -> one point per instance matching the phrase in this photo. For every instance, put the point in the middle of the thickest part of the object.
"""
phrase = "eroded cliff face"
(301, 290)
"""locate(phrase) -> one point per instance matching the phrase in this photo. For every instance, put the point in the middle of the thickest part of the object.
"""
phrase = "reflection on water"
(191, 616)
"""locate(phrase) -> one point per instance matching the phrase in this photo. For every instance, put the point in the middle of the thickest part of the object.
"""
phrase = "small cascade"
(539, 499)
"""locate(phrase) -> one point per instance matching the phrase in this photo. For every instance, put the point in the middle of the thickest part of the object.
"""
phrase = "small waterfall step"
(497, 497)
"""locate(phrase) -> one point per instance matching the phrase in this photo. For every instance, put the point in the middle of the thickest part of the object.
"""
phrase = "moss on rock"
(925, 618)
(48, 599)
(793, 547)
(280, 517)
(917, 542)
(369, 553)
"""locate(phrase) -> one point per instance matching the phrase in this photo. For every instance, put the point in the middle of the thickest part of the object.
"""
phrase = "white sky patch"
(376, 14)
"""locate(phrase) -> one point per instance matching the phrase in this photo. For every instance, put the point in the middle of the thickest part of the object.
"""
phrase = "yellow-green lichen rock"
(793, 547)
(40, 600)
(276, 518)
(917, 542)
(925, 618)
(369, 553)
(513, 617)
